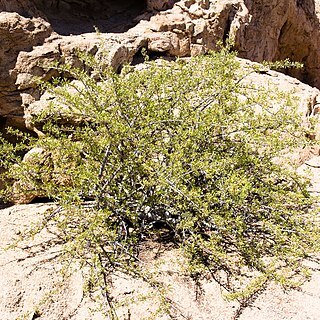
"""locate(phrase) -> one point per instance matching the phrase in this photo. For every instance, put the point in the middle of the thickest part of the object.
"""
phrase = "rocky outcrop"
(280, 29)
(35, 33)
(18, 34)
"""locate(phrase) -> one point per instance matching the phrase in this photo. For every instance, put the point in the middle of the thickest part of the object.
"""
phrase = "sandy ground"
(31, 286)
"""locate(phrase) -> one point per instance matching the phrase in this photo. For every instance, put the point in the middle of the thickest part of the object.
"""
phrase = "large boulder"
(18, 34)
(280, 29)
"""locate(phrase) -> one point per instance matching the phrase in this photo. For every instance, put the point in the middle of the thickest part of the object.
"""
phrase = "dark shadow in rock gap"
(82, 16)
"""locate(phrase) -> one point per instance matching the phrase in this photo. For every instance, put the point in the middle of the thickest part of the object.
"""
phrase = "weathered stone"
(29, 42)
(307, 97)
(24, 192)
(280, 29)
(161, 42)
(17, 34)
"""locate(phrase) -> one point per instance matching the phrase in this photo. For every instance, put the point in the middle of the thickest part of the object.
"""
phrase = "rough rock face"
(34, 33)
(18, 34)
(280, 29)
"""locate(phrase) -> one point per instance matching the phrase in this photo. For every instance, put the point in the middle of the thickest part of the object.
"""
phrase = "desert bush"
(182, 150)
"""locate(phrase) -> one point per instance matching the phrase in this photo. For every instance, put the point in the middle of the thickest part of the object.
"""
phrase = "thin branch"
(312, 166)
(104, 162)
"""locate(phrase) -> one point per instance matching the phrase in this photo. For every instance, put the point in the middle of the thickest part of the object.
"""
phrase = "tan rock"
(160, 42)
(307, 97)
(32, 285)
(196, 10)
(168, 22)
(24, 191)
(197, 49)
(274, 30)
(17, 34)
(46, 168)
(280, 29)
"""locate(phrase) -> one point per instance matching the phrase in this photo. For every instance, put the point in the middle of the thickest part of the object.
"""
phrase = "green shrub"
(184, 149)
